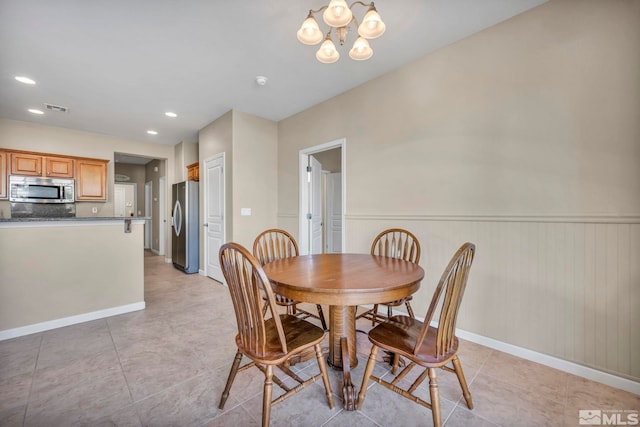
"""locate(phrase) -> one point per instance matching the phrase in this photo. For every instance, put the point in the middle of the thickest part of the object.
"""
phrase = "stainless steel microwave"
(33, 189)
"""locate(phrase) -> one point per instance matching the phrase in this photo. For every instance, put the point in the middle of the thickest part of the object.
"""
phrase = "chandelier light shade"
(327, 53)
(361, 50)
(310, 33)
(338, 15)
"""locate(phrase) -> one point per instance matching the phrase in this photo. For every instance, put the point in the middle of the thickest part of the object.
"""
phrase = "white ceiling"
(118, 65)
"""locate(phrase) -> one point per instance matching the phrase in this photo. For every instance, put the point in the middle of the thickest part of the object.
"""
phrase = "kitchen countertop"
(69, 219)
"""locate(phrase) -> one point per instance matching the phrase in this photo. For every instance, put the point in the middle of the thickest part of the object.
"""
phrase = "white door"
(214, 215)
(333, 222)
(118, 200)
(315, 208)
(124, 200)
(163, 213)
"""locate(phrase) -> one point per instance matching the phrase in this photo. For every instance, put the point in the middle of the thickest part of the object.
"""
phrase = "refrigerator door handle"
(177, 218)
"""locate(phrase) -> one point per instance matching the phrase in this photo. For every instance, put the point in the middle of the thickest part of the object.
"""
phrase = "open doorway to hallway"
(322, 198)
(146, 175)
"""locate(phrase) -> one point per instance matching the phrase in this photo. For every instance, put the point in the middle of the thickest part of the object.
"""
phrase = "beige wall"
(523, 138)
(255, 148)
(44, 277)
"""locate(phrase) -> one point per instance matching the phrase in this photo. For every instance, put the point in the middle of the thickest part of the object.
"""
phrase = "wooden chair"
(422, 344)
(395, 243)
(267, 342)
(273, 244)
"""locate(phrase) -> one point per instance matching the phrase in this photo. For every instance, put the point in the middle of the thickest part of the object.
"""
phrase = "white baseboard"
(71, 320)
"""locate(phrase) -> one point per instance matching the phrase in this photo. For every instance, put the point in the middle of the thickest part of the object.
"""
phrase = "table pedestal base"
(342, 349)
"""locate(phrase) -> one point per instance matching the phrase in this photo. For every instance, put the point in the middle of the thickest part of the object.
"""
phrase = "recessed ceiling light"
(35, 111)
(152, 132)
(25, 80)
(170, 114)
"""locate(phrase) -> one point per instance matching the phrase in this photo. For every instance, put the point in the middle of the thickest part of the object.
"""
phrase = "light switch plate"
(245, 211)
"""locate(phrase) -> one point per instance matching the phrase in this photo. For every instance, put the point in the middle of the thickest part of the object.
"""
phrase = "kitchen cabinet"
(91, 179)
(36, 165)
(193, 172)
(26, 164)
(58, 167)
(3, 175)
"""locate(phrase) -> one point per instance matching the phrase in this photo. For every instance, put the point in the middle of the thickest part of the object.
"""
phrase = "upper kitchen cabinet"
(3, 175)
(58, 167)
(37, 165)
(193, 172)
(91, 179)
(26, 164)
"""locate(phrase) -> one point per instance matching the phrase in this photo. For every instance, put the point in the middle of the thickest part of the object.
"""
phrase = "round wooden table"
(344, 281)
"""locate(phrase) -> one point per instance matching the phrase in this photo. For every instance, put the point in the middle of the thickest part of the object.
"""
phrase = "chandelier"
(338, 16)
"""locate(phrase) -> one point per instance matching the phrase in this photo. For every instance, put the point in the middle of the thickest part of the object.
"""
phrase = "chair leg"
(463, 382)
(266, 396)
(395, 364)
(435, 398)
(321, 316)
(371, 363)
(409, 310)
(232, 376)
(389, 312)
(374, 314)
(325, 376)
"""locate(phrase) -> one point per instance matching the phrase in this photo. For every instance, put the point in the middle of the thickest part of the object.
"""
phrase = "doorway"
(162, 203)
(315, 224)
(148, 194)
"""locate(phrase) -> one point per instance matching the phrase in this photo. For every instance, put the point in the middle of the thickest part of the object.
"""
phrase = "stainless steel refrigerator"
(185, 241)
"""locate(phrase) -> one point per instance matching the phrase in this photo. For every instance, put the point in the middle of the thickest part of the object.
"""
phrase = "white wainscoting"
(568, 287)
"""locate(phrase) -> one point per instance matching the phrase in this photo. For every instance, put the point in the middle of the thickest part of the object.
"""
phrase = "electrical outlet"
(94, 210)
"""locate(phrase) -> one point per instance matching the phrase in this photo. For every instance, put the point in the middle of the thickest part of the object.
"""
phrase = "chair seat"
(399, 335)
(299, 334)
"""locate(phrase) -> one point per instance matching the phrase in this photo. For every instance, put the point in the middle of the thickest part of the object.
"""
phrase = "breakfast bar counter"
(59, 271)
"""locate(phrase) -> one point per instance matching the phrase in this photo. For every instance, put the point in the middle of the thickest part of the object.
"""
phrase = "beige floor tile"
(503, 403)
(19, 355)
(190, 403)
(463, 417)
(538, 379)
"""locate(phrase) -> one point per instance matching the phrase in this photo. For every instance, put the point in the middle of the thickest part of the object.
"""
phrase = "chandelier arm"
(361, 3)
(313, 12)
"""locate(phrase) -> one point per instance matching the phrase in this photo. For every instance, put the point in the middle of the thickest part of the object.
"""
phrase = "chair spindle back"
(274, 244)
(397, 243)
(246, 280)
(453, 283)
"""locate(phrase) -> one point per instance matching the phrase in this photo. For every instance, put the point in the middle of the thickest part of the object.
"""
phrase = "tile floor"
(167, 366)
